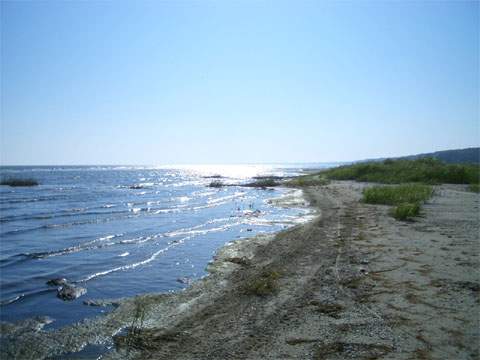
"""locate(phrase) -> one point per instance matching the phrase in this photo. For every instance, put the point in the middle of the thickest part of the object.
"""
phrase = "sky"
(192, 82)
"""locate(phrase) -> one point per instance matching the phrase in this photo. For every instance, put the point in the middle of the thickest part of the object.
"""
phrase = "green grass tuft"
(406, 211)
(19, 182)
(396, 195)
(407, 198)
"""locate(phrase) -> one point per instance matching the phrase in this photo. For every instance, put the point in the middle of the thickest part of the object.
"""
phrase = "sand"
(352, 283)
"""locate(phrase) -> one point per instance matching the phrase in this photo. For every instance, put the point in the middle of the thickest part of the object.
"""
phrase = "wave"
(93, 244)
(131, 211)
(125, 214)
(225, 198)
(25, 295)
(194, 232)
(133, 265)
(105, 241)
(63, 214)
(28, 200)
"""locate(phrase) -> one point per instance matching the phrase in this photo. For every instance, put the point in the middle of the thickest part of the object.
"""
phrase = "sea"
(121, 231)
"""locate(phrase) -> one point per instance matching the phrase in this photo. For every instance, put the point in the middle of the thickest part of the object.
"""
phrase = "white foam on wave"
(130, 266)
(201, 232)
(224, 199)
(107, 237)
(292, 198)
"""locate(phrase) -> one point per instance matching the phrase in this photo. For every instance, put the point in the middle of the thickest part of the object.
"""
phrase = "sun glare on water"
(230, 171)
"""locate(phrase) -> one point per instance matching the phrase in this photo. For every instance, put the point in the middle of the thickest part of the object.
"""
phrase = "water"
(122, 231)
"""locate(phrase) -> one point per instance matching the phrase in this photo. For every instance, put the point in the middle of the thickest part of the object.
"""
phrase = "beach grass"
(396, 195)
(406, 198)
(425, 170)
(19, 182)
(406, 211)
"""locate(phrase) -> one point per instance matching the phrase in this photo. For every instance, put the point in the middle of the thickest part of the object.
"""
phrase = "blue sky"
(127, 82)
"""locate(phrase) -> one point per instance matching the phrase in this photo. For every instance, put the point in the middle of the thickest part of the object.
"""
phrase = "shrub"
(19, 182)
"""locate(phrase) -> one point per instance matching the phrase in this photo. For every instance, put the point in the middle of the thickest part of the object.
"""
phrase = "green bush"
(406, 211)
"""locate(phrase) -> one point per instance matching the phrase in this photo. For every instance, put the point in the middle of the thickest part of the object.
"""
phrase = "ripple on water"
(89, 225)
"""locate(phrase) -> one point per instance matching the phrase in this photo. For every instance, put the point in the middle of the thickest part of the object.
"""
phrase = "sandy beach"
(352, 283)
(220, 180)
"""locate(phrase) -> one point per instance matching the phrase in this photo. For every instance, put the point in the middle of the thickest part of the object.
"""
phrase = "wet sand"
(352, 283)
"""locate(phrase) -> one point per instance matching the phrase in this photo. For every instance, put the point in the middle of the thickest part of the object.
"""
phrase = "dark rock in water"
(70, 292)
(57, 282)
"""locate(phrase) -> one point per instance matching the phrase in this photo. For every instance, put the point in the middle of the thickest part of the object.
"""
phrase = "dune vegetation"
(412, 176)
(407, 198)
(425, 170)
(308, 180)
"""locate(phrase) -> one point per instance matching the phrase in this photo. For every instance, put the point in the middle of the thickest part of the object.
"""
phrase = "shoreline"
(93, 335)
(351, 283)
